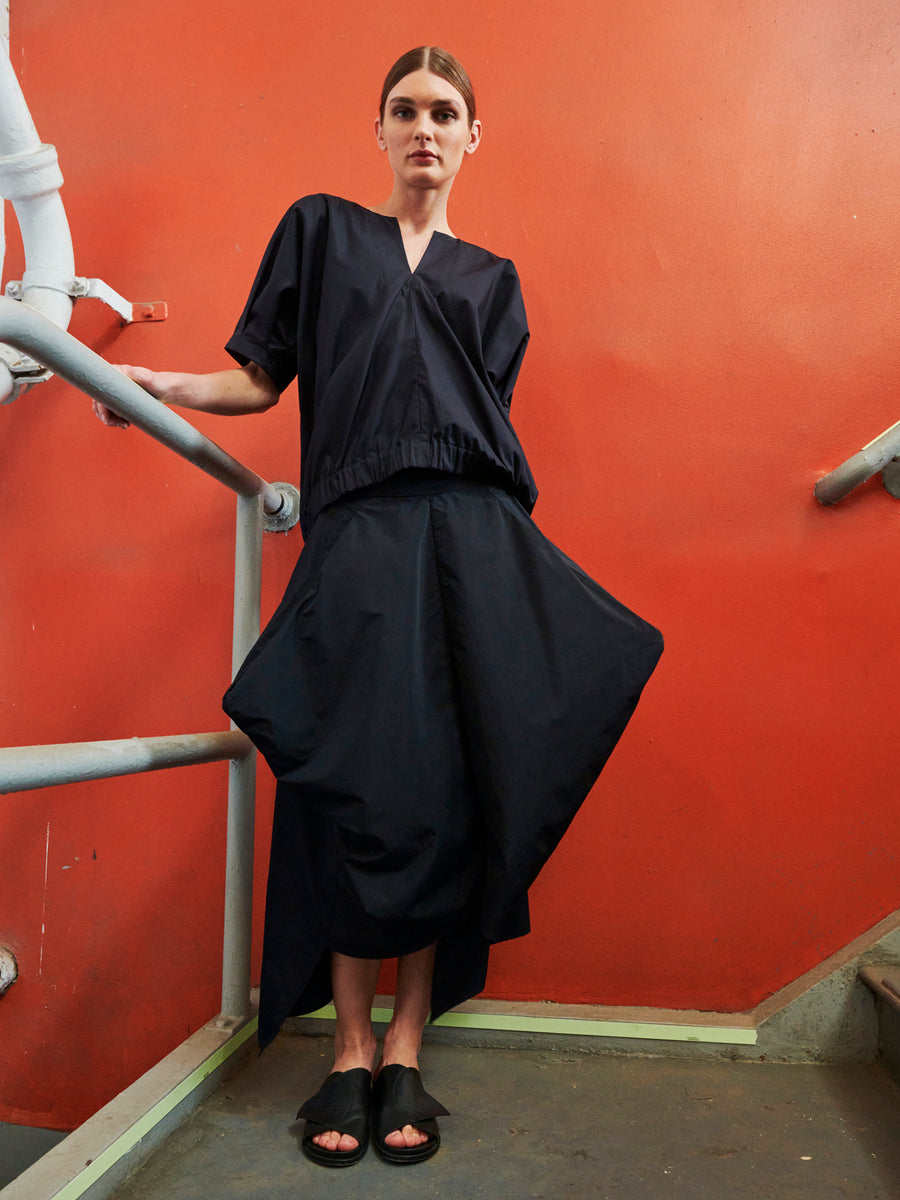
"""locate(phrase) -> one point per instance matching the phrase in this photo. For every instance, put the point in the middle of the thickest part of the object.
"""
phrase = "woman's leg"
(403, 1037)
(353, 982)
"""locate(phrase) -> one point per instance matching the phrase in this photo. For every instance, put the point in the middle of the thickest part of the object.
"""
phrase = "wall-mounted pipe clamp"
(9, 969)
(130, 312)
(90, 289)
(25, 372)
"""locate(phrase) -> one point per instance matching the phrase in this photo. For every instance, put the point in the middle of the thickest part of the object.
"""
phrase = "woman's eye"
(446, 116)
(401, 113)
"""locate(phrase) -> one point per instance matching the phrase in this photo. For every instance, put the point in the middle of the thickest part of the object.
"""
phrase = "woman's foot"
(402, 1050)
(396, 1053)
(347, 1057)
(403, 1124)
(337, 1118)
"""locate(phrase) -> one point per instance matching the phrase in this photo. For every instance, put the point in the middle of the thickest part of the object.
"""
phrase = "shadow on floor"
(21, 1147)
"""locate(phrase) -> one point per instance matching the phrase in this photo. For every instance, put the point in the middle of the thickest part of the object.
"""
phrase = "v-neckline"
(435, 233)
(419, 260)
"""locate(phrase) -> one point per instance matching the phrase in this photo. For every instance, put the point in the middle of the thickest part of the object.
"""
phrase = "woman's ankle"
(401, 1047)
(354, 1051)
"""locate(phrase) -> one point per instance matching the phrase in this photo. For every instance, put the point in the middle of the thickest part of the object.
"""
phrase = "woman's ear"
(379, 135)
(475, 132)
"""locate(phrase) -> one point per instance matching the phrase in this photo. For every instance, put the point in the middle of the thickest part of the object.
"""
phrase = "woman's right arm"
(231, 393)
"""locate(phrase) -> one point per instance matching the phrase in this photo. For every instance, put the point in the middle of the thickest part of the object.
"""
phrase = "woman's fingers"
(140, 375)
(108, 417)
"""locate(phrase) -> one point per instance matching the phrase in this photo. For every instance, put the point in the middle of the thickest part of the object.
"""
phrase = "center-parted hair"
(439, 62)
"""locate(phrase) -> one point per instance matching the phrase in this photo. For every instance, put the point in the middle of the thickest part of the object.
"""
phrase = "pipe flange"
(288, 514)
(34, 173)
(890, 477)
(9, 969)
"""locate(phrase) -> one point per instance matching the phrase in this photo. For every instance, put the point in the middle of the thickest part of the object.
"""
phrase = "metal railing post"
(258, 503)
(241, 775)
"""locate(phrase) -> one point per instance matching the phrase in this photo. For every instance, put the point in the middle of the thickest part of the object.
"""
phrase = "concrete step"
(884, 980)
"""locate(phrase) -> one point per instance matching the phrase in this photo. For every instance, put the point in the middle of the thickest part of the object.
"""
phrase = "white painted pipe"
(17, 132)
(30, 177)
(49, 257)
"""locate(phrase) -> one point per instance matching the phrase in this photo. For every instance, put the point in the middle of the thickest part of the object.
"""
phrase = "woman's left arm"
(231, 393)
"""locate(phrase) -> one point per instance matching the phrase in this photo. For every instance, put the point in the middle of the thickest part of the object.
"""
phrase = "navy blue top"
(397, 369)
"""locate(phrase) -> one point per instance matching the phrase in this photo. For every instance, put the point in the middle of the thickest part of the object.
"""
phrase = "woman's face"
(426, 130)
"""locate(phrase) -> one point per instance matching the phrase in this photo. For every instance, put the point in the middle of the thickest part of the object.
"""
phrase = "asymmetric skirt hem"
(436, 694)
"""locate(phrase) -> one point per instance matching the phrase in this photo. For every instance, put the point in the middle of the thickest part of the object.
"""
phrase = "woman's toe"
(406, 1138)
(335, 1141)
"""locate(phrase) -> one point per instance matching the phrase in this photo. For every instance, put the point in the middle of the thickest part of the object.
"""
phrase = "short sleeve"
(277, 312)
(505, 334)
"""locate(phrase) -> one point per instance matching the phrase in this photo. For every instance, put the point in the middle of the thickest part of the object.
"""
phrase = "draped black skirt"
(436, 693)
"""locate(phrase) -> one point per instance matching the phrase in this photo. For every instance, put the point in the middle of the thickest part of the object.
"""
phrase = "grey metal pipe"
(24, 768)
(862, 466)
(238, 926)
(247, 578)
(237, 934)
(63, 354)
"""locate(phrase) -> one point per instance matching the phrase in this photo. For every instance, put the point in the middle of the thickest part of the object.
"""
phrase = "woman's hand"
(150, 381)
(108, 417)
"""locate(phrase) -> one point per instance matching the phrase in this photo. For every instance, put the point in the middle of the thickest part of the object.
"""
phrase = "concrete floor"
(532, 1124)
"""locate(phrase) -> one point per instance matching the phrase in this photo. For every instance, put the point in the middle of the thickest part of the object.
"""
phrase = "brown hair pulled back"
(439, 62)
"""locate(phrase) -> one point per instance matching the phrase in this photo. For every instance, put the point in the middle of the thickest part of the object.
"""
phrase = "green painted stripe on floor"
(128, 1140)
(728, 1035)
(656, 1031)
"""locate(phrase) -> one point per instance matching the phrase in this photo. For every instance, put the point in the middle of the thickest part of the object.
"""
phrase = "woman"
(440, 686)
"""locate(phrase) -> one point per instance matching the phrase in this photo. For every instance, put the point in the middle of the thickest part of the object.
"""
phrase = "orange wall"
(701, 201)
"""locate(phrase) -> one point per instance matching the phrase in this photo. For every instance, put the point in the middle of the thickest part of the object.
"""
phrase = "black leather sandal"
(342, 1103)
(399, 1099)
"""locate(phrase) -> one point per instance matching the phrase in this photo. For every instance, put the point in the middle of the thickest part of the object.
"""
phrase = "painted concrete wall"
(701, 201)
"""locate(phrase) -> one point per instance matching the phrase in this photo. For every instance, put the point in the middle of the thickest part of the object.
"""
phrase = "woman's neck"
(418, 210)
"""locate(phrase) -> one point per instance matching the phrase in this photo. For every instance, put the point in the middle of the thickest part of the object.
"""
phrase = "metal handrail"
(27, 330)
(861, 466)
(24, 768)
